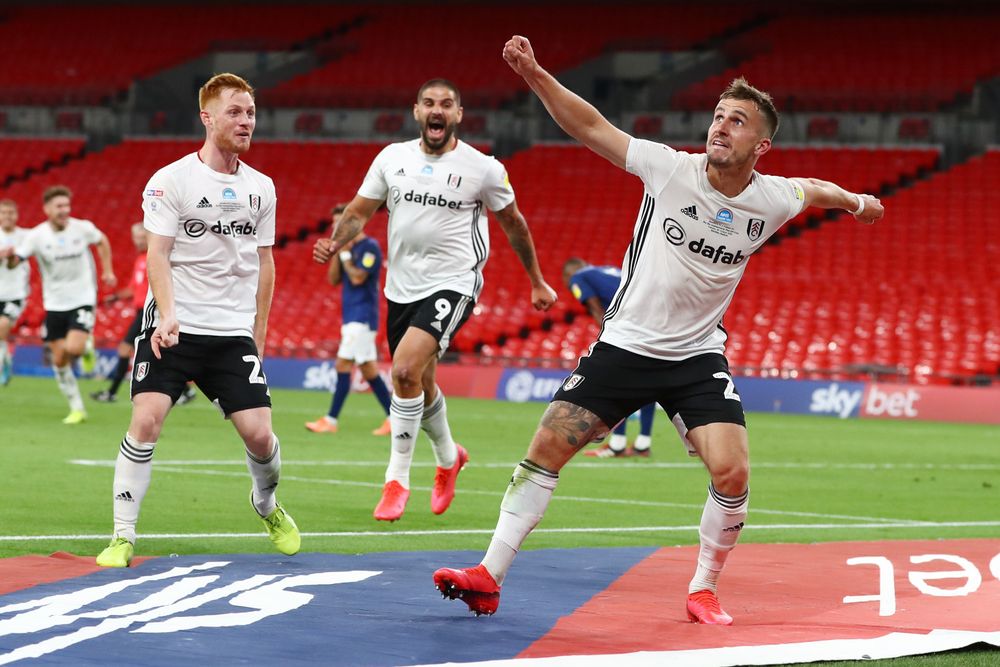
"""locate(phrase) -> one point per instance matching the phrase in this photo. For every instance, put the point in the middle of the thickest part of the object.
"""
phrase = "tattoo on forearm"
(347, 229)
(577, 425)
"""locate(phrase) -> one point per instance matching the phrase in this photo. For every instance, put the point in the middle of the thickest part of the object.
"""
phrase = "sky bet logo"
(197, 228)
(428, 199)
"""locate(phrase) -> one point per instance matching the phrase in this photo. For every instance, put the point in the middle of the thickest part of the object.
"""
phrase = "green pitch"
(814, 479)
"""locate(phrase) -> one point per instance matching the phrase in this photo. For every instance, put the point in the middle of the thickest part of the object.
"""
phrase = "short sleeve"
(160, 211)
(581, 288)
(497, 192)
(25, 248)
(795, 196)
(652, 162)
(375, 186)
(267, 219)
(91, 233)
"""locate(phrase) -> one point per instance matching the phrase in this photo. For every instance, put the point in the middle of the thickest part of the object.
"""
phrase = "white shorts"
(357, 343)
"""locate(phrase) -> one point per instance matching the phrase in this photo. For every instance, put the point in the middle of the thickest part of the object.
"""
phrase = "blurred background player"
(662, 338)
(126, 348)
(14, 285)
(595, 287)
(206, 314)
(61, 246)
(361, 261)
(434, 187)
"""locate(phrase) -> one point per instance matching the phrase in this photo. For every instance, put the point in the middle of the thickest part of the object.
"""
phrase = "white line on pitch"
(489, 531)
(581, 464)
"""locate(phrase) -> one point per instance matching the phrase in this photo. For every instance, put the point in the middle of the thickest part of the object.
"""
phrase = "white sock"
(265, 474)
(523, 506)
(332, 420)
(67, 385)
(133, 469)
(642, 442)
(4, 353)
(404, 417)
(721, 524)
(617, 442)
(435, 424)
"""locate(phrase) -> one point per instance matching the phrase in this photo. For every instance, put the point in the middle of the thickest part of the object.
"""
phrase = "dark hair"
(739, 89)
(56, 191)
(572, 262)
(444, 83)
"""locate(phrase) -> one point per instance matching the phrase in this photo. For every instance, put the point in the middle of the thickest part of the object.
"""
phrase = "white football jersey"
(69, 279)
(438, 235)
(689, 249)
(14, 283)
(217, 221)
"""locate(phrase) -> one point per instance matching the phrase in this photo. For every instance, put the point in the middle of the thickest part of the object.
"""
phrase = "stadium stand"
(21, 156)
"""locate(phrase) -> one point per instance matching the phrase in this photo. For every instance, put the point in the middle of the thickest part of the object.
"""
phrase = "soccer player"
(701, 218)
(14, 285)
(360, 261)
(61, 246)
(437, 189)
(595, 287)
(126, 348)
(210, 227)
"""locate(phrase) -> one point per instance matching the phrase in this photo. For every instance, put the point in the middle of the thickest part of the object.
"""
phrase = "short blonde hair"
(213, 87)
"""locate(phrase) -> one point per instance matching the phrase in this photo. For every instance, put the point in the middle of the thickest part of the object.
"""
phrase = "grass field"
(814, 479)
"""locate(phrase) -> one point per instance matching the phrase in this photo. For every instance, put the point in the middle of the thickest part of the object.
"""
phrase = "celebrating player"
(361, 261)
(14, 285)
(701, 218)
(61, 246)
(595, 288)
(210, 223)
(437, 189)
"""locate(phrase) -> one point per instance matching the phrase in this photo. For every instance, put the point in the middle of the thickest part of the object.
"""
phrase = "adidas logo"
(125, 496)
(403, 436)
(690, 212)
(400, 172)
(204, 203)
(733, 529)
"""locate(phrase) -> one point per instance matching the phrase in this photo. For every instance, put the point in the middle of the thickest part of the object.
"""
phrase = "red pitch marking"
(27, 571)
(784, 593)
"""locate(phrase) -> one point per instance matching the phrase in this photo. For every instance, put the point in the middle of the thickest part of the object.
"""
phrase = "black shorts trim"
(226, 368)
(613, 383)
(441, 315)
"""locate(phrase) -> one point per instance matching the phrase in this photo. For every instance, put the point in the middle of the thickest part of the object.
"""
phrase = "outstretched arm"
(353, 220)
(577, 117)
(823, 194)
(519, 236)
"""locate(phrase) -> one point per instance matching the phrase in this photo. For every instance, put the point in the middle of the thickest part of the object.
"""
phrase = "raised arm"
(577, 117)
(823, 194)
(353, 220)
(519, 236)
(265, 292)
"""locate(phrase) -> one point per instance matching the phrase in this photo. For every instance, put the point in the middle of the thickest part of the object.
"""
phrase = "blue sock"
(620, 429)
(646, 416)
(381, 392)
(340, 394)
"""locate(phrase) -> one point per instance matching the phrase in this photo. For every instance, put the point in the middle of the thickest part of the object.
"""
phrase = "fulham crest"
(573, 381)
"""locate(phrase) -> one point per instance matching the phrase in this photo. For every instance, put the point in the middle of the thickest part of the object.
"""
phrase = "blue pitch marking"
(392, 618)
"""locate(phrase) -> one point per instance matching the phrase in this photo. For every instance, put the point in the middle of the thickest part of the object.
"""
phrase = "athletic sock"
(523, 506)
(404, 418)
(133, 469)
(265, 474)
(646, 416)
(381, 392)
(618, 442)
(4, 353)
(721, 523)
(435, 424)
(67, 385)
(340, 394)
(642, 443)
(118, 374)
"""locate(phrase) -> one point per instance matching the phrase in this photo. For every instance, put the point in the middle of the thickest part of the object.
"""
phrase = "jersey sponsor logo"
(454, 181)
(229, 194)
(234, 229)
(429, 199)
(724, 215)
(573, 381)
(154, 192)
(691, 212)
(254, 203)
(716, 254)
(755, 228)
(141, 371)
(195, 228)
(674, 232)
